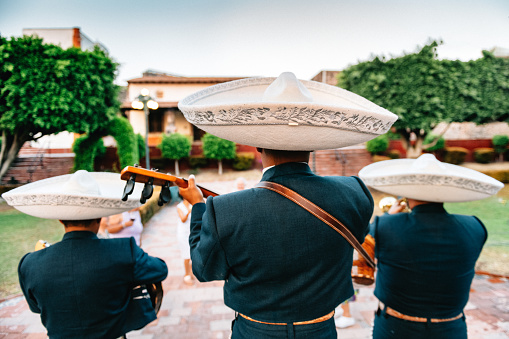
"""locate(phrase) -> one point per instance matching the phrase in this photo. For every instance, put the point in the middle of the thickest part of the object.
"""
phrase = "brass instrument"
(386, 203)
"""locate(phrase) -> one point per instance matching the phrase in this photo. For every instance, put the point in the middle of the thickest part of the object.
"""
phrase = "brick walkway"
(198, 311)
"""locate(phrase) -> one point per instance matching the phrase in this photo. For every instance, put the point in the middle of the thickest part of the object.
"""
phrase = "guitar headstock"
(133, 174)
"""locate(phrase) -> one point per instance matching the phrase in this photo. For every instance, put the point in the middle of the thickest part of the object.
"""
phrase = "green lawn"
(18, 235)
(494, 213)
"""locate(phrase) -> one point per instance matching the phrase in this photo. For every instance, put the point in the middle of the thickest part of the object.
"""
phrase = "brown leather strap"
(320, 214)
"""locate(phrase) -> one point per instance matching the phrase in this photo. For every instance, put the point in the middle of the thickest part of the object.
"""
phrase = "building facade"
(167, 90)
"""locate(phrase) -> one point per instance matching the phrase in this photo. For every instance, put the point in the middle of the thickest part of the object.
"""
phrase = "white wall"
(61, 37)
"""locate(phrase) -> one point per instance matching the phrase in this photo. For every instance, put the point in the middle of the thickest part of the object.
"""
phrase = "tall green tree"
(424, 91)
(219, 149)
(175, 146)
(45, 89)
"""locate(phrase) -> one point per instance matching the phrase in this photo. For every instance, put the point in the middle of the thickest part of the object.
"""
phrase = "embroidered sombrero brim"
(286, 113)
(428, 179)
(77, 196)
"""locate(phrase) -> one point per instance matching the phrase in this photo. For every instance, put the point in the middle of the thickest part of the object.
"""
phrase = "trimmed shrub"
(484, 155)
(455, 155)
(127, 146)
(500, 143)
(140, 140)
(378, 145)
(439, 145)
(394, 154)
(498, 174)
(377, 158)
(85, 149)
(197, 161)
(243, 161)
(218, 148)
(175, 146)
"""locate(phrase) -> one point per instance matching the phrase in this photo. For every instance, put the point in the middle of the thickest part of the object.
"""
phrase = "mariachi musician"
(83, 286)
(426, 258)
(285, 270)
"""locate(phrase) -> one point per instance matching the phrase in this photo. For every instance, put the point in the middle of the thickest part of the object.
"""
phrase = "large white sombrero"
(79, 196)
(428, 179)
(286, 113)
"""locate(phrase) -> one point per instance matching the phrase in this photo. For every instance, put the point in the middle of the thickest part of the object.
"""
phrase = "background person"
(184, 211)
(82, 286)
(124, 225)
(426, 258)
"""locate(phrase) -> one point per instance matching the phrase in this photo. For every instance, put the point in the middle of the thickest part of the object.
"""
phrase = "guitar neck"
(143, 175)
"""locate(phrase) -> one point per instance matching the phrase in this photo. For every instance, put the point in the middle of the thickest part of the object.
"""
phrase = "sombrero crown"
(78, 196)
(286, 113)
(428, 179)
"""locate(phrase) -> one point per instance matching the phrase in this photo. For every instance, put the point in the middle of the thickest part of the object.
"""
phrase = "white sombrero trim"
(432, 180)
(66, 200)
(283, 116)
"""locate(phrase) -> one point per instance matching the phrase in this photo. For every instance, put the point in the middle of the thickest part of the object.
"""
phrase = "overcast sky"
(265, 37)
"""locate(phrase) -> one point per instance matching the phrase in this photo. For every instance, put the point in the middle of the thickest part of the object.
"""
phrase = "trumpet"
(386, 203)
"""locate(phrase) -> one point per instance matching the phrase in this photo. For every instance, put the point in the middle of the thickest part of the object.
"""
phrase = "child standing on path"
(183, 229)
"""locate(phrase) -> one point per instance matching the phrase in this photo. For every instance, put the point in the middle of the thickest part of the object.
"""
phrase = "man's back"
(280, 262)
(81, 285)
(426, 260)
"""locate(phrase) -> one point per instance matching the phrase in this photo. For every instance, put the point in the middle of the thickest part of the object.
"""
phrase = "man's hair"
(295, 155)
(80, 223)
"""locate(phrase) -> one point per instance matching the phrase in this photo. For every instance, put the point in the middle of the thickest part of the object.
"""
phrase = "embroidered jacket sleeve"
(207, 255)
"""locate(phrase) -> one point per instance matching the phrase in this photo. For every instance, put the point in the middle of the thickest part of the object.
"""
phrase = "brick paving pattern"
(198, 311)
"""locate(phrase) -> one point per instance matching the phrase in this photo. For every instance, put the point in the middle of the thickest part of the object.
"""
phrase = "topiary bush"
(140, 141)
(500, 175)
(377, 158)
(127, 146)
(437, 146)
(175, 146)
(243, 161)
(197, 161)
(484, 155)
(394, 154)
(378, 145)
(86, 146)
(85, 149)
(500, 143)
(455, 155)
(219, 149)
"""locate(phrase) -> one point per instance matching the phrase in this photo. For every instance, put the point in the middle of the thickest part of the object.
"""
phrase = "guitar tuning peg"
(148, 189)
(129, 187)
(154, 169)
(136, 165)
(165, 195)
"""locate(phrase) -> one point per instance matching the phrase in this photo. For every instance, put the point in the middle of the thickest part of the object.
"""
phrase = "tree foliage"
(424, 91)
(45, 89)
